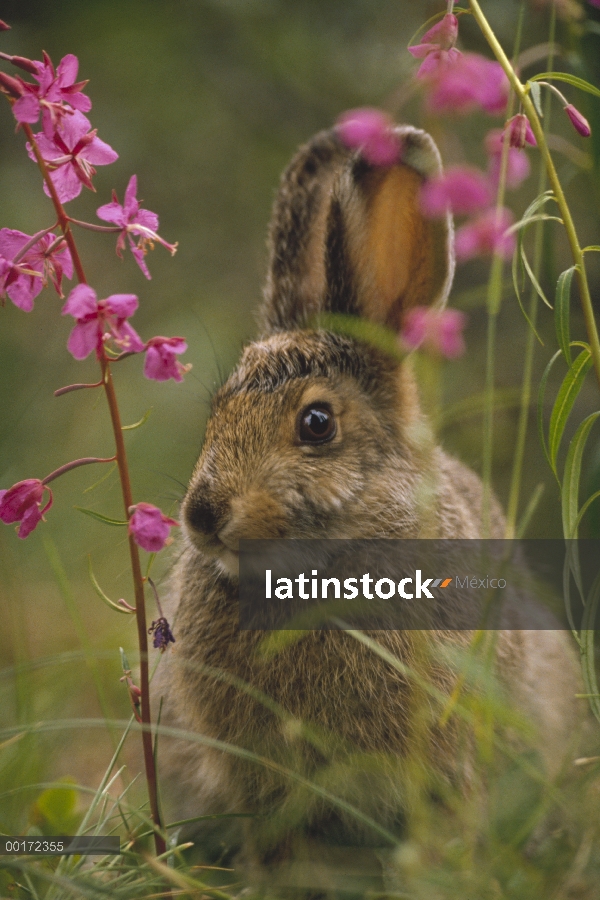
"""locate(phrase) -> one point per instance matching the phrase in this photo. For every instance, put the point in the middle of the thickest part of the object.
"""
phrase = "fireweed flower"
(163, 636)
(471, 81)
(517, 164)
(439, 331)
(71, 153)
(461, 189)
(94, 316)
(160, 363)
(134, 221)
(519, 131)
(150, 527)
(55, 89)
(23, 280)
(372, 132)
(487, 234)
(437, 48)
(23, 503)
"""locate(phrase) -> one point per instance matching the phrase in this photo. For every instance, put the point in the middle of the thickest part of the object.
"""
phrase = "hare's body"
(319, 435)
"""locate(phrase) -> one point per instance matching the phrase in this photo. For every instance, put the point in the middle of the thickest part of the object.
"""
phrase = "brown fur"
(344, 238)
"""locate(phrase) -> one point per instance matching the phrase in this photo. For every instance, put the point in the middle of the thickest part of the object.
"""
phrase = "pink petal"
(415, 326)
(98, 153)
(127, 338)
(66, 71)
(31, 518)
(130, 204)
(73, 127)
(140, 258)
(67, 184)
(443, 33)
(80, 101)
(122, 305)
(112, 212)
(85, 337)
(11, 241)
(147, 219)
(24, 290)
(81, 302)
(371, 131)
(27, 109)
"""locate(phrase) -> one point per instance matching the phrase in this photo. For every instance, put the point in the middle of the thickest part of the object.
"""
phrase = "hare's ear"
(349, 237)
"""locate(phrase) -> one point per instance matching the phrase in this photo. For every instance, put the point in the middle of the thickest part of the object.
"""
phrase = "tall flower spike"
(134, 221)
(94, 316)
(23, 503)
(71, 154)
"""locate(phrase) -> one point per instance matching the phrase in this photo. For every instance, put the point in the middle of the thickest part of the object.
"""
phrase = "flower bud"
(580, 123)
(519, 131)
(10, 85)
(4, 26)
(27, 65)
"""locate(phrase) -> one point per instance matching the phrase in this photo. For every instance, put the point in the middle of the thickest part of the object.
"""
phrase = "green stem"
(494, 298)
(576, 251)
(526, 388)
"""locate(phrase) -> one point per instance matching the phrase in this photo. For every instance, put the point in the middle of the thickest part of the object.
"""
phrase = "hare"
(320, 435)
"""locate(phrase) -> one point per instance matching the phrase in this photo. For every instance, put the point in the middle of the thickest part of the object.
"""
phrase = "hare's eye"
(316, 424)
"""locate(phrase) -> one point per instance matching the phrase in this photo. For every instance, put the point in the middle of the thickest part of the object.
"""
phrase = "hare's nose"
(202, 516)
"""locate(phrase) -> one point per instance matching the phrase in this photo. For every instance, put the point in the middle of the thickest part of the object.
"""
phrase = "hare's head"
(316, 433)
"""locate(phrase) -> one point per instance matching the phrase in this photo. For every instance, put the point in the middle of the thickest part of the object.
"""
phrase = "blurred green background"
(206, 101)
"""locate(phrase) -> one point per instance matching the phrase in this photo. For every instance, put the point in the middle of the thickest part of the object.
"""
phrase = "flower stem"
(86, 461)
(512, 508)
(565, 212)
(121, 460)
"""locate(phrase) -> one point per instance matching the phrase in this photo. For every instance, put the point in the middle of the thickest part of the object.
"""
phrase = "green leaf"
(141, 422)
(592, 248)
(565, 399)
(56, 808)
(569, 79)
(540, 405)
(561, 312)
(102, 595)
(527, 220)
(529, 510)
(570, 485)
(100, 517)
(532, 277)
(588, 626)
(515, 276)
(536, 96)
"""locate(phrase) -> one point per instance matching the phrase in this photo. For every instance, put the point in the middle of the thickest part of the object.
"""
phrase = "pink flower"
(150, 527)
(23, 280)
(437, 48)
(160, 363)
(470, 81)
(71, 154)
(487, 234)
(461, 189)
(93, 316)
(22, 503)
(50, 95)
(134, 220)
(517, 165)
(440, 331)
(372, 132)
(519, 131)
(579, 122)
